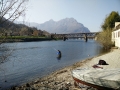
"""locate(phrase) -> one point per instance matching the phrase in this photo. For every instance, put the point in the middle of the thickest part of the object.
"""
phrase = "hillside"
(13, 29)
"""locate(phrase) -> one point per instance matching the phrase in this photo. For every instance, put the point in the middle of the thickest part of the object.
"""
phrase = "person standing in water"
(59, 54)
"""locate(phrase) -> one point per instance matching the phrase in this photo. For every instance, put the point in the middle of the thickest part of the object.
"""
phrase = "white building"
(116, 34)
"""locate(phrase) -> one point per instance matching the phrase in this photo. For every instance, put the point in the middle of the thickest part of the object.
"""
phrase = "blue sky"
(91, 13)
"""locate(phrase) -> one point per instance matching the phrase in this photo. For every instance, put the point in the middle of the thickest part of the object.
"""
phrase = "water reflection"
(59, 57)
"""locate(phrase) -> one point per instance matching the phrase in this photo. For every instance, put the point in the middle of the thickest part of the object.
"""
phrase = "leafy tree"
(110, 20)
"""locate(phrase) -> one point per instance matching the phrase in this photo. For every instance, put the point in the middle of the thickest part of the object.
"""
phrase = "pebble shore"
(62, 79)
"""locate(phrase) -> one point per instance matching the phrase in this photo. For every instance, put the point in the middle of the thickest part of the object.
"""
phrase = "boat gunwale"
(92, 85)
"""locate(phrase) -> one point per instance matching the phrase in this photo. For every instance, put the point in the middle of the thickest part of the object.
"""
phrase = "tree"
(35, 33)
(110, 20)
(10, 10)
(109, 23)
(25, 31)
(104, 38)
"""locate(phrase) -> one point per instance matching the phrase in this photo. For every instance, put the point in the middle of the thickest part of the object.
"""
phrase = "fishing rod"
(55, 49)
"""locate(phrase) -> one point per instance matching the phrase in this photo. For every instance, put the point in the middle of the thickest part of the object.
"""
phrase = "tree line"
(20, 30)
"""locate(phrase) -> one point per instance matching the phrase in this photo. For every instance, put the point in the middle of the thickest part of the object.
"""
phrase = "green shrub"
(104, 38)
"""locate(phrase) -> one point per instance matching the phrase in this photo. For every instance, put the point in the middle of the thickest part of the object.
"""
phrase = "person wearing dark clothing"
(59, 54)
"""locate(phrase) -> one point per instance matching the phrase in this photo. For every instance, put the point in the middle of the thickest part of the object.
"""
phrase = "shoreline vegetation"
(24, 38)
(62, 78)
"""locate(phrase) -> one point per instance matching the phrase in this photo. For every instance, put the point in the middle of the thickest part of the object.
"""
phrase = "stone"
(27, 85)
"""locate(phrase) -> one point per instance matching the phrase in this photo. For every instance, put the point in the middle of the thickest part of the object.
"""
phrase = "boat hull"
(98, 78)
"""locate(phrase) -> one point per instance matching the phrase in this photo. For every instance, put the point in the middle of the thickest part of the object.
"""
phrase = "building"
(116, 34)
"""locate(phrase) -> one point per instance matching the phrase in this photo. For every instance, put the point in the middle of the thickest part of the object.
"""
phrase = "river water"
(31, 60)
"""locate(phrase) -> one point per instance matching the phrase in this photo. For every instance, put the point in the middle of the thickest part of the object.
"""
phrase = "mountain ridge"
(63, 26)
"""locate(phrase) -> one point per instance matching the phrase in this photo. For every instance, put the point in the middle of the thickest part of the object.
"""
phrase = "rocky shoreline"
(62, 79)
(59, 80)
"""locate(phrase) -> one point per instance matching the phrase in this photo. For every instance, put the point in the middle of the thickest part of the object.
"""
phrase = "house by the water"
(116, 34)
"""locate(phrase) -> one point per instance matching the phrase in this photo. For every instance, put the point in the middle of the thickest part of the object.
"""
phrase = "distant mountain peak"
(67, 25)
(69, 19)
(51, 20)
(63, 26)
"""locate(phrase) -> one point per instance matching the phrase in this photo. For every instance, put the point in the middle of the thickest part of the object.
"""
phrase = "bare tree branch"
(10, 10)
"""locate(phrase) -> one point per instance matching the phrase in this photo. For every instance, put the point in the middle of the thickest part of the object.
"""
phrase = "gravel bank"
(62, 79)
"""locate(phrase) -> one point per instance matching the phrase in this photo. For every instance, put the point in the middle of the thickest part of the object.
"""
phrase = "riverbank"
(62, 79)
(26, 40)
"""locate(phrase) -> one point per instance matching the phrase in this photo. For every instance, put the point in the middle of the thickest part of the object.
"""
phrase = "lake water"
(30, 60)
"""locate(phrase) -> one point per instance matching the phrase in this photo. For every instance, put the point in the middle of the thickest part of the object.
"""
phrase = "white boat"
(102, 79)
